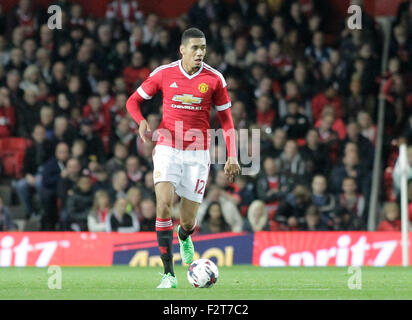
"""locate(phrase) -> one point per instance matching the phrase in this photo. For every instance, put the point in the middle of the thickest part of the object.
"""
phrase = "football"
(202, 273)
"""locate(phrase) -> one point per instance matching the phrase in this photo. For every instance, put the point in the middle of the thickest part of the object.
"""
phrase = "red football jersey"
(187, 101)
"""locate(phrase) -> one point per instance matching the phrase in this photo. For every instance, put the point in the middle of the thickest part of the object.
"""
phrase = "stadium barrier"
(43, 249)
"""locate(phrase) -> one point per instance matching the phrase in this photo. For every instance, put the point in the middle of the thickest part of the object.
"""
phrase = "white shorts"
(187, 170)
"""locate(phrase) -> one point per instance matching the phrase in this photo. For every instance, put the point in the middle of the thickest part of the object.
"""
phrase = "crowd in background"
(312, 93)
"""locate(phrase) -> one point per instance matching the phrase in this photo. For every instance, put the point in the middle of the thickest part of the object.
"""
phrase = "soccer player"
(181, 157)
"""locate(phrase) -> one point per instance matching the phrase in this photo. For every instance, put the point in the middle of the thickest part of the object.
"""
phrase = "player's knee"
(187, 224)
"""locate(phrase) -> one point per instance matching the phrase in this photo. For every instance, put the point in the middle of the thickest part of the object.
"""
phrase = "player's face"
(193, 52)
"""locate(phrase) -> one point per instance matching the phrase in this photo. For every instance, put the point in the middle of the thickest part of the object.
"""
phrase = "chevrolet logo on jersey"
(187, 98)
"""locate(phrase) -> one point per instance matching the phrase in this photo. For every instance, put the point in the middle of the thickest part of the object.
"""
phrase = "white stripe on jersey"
(170, 65)
(223, 106)
(207, 67)
(143, 94)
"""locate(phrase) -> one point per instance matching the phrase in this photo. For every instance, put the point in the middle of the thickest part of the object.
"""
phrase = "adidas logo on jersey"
(173, 85)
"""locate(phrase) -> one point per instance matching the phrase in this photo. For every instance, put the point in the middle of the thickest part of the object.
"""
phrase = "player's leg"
(164, 230)
(191, 189)
(188, 211)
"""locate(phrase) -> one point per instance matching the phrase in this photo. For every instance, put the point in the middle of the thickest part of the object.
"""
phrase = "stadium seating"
(12, 151)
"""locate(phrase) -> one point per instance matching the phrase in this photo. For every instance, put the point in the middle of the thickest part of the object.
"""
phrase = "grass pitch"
(237, 282)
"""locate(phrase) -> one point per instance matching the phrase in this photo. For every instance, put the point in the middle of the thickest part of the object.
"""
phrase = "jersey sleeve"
(221, 97)
(151, 85)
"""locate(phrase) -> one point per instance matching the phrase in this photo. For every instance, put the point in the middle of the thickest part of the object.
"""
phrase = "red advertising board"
(104, 249)
(62, 248)
(328, 249)
(262, 248)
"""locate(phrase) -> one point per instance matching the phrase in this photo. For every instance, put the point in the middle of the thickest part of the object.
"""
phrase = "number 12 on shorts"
(200, 185)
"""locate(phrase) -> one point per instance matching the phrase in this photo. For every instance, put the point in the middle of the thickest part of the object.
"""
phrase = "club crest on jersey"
(203, 87)
(187, 98)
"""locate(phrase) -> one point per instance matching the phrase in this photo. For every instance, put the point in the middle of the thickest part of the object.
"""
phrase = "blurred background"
(332, 105)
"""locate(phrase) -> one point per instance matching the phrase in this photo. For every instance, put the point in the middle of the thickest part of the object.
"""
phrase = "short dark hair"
(191, 33)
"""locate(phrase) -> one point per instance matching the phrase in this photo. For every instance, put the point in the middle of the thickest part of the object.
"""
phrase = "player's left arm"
(222, 104)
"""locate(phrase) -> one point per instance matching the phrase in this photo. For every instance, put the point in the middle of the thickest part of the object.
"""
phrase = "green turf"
(237, 282)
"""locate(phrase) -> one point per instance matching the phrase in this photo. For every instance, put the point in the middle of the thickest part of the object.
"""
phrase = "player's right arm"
(145, 92)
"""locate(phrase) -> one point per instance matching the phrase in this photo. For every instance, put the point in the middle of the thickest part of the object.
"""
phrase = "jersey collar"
(188, 75)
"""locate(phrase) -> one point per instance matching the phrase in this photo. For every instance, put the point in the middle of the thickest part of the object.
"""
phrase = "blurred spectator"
(151, 29)
(316, 153)
(6, 222)
(124, 11)
(367, 127)
(392, 220)
(350, 167)
(78, 151)
(62, 105)
(118, 220)
(12, 83)
(35, 157)
(313, 221)
(203, 11)
(28, 113)
(295, 123)
(16, 61)
(328, 97)
(148, 185)
(257, 217)
(353, 201)
(54, 169)
(278, 143)
(119, 185)
(214, 221)
(134, 170)
(229, 210)
(291, 211)
(7, 114)
(79, 204)
(239, 57)
(102, 180)
(228, 190)
(148, 210)
(291, 164)
(365, 146)
(324, 201)
(65, 189)
(317, 51)
(136, 73)
(93, 141)
(96, 219)
(265, 113)
(331, 122)
(244, 190)
(47, 120)
(99, 116)
(117, 162)
(344, 220)
(62, 131)
(134, 195)
(271, 186)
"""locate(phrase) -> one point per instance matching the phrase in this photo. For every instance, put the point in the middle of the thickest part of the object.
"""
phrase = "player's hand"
(231, 168)
(144, 131)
